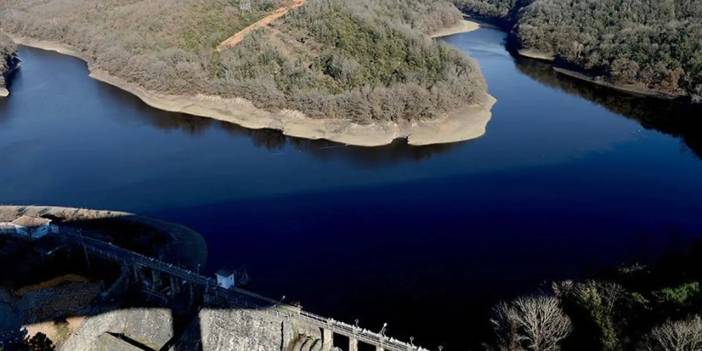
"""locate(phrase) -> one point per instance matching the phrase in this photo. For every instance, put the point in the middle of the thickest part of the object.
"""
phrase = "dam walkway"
(166, 278)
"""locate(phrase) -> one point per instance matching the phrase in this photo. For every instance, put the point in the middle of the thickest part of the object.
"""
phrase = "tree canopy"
(364, 60)
(653, 45)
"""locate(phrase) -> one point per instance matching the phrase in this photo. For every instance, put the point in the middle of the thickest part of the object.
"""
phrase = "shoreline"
(623, 88)
(551, 58)
(464, 26)
(464, 124)
(536, 55)
(629, 89)
(4, 90)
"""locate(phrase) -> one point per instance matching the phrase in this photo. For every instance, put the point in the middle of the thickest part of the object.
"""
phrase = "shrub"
(530, 323)
(680, 295)
(595, 307)
(678, 336)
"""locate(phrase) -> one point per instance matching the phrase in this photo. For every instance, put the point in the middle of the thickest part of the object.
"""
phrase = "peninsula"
(362, 72)
(647, 48)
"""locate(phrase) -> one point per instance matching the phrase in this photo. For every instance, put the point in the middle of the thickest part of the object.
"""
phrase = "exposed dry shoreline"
(4, 92)
(464, 124)
(464, 26)
(536, 55)
(630, 89)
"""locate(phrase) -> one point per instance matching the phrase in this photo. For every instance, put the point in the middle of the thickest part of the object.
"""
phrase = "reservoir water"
(569, 179)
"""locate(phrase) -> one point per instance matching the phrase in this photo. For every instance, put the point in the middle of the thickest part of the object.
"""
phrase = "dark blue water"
(568, 180)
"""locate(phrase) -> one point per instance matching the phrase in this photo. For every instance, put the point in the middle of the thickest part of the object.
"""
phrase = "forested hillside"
(7, 59)
(645, 44)
(652, 307)
(365, 60)
(493, 9)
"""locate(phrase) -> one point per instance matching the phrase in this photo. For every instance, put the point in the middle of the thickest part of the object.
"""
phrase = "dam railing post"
(161, 280)
(174, 286)
(353, 344)
(155, 281)
(327, 340)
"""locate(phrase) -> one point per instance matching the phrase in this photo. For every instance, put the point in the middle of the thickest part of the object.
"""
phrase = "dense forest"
(8, 58)
(501, 11)
(364, 60)
(644, 45)
(633, 308)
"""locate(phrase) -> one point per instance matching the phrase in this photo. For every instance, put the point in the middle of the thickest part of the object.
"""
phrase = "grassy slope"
(362, 60)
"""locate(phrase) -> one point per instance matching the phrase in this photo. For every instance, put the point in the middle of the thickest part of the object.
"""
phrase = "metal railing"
(111, 252)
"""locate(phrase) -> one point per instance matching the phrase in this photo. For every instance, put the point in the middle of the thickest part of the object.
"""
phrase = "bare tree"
(675, 336)
(531, 323)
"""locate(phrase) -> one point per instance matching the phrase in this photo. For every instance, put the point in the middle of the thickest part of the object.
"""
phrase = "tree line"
(655, 307)
(651, 45)
(364, 60)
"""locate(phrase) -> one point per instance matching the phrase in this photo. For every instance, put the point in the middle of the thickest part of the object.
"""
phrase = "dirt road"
(235, 39)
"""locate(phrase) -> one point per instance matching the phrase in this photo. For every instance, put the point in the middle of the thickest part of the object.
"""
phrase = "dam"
(176, 308)
(167, 282)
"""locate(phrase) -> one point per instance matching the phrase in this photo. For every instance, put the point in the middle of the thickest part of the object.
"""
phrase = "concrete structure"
(289, 327)
(151, 328)
(28, 227)
(226, 278)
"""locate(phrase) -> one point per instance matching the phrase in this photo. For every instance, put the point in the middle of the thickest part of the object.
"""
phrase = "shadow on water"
(4, 116)
(118, 283)
(676, 118)
(396, 152)
(438, 251)
(141, 278)
(137, 112)
(124, 294)
(143, 113)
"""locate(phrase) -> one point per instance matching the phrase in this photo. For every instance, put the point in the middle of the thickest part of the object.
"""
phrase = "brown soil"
(237, 38)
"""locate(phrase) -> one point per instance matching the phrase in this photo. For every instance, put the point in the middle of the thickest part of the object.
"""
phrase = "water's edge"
(463, 124)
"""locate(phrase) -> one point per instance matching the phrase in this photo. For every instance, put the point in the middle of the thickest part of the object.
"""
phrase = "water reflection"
(405, 234)
(675, 118)
(4, 116)
(397, 152)
(164, 120)
(273, 140)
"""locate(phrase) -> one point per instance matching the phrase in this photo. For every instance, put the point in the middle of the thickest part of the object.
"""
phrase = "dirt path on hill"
(235, 39)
